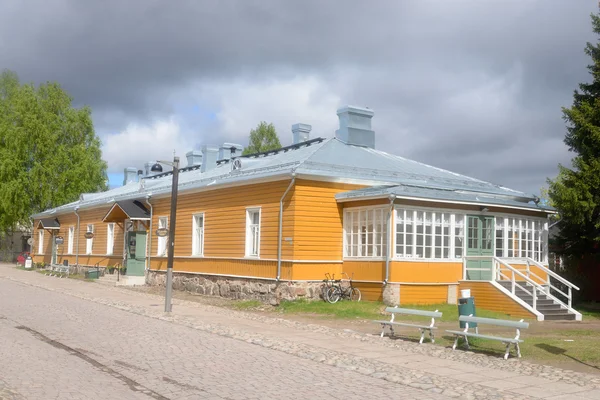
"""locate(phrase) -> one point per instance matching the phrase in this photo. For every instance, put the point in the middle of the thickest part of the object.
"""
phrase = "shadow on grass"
(559, 351)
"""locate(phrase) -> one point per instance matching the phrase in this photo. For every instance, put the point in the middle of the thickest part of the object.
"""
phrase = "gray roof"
(444, 195)
(318, 158)
(49, 223)
(134, 209)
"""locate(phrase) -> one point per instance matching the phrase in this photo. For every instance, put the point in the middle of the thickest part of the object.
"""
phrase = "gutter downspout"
(389, 241)
(279, 237)
(149, 242)
(77, 250)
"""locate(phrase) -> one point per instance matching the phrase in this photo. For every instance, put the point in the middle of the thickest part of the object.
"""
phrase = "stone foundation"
(391, 294)
(238, 288)
(82, 269)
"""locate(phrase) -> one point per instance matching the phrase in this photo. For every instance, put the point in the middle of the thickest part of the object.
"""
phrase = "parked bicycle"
(327, 284)
(339, 290)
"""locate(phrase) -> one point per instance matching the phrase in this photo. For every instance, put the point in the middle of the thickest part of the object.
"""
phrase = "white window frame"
(161, 248)
(110, 238)
(71, 237)
(252, 240)
(519, 225)
(379, 234)
(89, 244)
(198, 235)
(41, 241)
(452, 226)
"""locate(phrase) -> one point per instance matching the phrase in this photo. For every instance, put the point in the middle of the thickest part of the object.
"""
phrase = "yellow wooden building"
(271, 225)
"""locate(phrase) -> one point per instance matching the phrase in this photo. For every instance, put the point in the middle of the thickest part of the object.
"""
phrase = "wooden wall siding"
(243, 267)
(92, 260)
(423, 294)
(315, 271)
(365, 270)
(100, 236)
(225, 220)
(543, 276)
(425, 272)
(318, 224)
(370, 291)
(488, 297)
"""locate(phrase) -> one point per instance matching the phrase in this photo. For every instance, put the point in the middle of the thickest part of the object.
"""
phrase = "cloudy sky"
(475, 86)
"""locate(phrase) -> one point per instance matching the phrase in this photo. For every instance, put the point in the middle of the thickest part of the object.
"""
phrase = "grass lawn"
(560, 344)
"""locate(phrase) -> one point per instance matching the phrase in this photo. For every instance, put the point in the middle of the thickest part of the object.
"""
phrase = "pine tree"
(576, 191)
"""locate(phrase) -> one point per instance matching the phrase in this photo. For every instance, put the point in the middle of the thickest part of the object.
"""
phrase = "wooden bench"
(518, 325)
(56, 269)
(406, 311)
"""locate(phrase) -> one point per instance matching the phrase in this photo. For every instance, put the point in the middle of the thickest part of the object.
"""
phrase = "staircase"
(108, 279)
(551, 309)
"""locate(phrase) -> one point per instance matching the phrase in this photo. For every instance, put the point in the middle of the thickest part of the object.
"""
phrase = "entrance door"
(480, 239)
(136, 253)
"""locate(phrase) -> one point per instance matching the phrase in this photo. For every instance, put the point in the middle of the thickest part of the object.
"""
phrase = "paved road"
(55, 346)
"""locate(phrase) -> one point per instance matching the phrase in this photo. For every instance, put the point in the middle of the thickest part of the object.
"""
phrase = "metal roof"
(49, 223)
(130, 209)
(444, 195)
(329, 159)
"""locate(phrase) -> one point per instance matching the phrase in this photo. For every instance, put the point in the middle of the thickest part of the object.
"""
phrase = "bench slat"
(408, 311)
(477, 335)
(406, 324)
(493, 321)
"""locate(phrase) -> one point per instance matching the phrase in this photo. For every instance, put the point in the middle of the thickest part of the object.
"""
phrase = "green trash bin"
(92, 273)
(466, 306)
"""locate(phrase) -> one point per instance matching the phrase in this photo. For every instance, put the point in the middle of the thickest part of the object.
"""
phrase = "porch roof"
(127, 209)
(455, 196)
(49, 223)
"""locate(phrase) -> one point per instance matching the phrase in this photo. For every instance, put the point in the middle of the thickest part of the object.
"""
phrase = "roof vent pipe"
(209, 158)
(194, 157)
(228, 151)
(355, 126)
(129, 175)
(300, 133)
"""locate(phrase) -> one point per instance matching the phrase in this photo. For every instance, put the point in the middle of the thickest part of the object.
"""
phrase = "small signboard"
(89, 235)
(59, 240)
(162, 232)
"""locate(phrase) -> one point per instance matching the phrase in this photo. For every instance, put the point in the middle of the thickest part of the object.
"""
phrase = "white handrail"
(533, 283)
(552, 273)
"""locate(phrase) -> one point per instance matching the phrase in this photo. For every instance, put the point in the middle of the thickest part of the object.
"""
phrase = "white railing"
(502, 270)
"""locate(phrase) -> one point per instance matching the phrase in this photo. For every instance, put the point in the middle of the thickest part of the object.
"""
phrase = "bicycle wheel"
(355, 294)
(333, 294)
(324, 292)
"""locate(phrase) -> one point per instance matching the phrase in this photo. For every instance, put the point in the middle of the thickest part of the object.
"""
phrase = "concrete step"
(559, 317)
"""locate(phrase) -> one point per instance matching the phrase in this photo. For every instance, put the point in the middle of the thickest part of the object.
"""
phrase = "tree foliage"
(49, 152)
(575, 192)
(263, 138)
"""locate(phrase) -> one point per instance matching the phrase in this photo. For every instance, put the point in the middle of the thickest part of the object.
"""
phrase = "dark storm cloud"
(471, 86)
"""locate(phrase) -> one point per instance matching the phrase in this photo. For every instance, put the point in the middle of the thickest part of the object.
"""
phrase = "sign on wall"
(59, 240)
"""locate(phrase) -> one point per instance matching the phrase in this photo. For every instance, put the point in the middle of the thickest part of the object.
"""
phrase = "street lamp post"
(172, 221)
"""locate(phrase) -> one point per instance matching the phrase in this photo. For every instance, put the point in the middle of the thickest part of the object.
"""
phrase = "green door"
(480, 239)
(136, 253)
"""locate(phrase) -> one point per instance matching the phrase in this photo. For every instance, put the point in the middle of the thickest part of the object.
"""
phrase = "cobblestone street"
(66, 339)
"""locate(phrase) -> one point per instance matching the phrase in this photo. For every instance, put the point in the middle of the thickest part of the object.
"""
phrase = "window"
(110, 238)
(429, 234)
(71, 238)
(520, 238)
(253, 232)
(163, 222)
(89, 242)
(41, 242)
(365, 232)
(198, 235)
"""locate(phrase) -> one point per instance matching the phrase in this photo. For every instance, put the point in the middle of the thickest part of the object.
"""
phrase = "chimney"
(129, 175)
(300, 133)
(194, 157)
(209, 158)
(229, 150)
(355, 126)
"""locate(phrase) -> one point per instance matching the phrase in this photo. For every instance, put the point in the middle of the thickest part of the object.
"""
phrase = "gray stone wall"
(238, 288)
